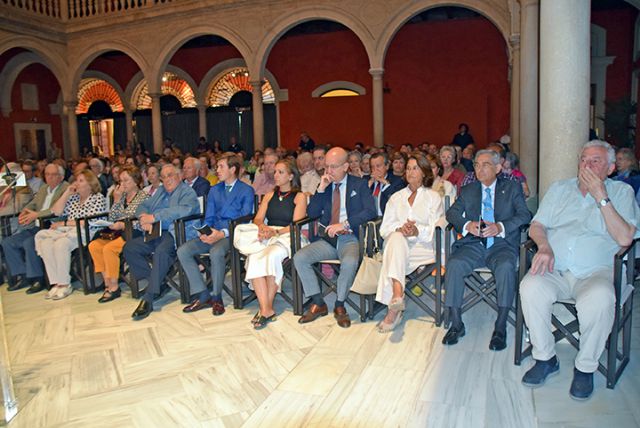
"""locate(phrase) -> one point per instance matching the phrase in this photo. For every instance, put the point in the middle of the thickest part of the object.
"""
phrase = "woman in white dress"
(278, 209)
(408, 229)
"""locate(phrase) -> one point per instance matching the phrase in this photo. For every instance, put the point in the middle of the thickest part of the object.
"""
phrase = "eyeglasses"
(482, 164)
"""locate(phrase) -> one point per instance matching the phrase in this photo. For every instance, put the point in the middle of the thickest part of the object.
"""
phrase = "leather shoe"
(18, 285)
(581, 385)
(313, 313)
(218, 307)
(108, 295)
(197, 305)
(498, 340)
(36, 287)
(452, 336)
(143, 310)
(341, 315)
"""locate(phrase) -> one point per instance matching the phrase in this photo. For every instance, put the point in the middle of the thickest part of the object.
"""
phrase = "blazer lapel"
(348, 194)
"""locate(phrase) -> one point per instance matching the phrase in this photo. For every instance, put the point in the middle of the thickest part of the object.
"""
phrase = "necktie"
(227, 189)
(487, 211)
(376, 189)
(335, 204)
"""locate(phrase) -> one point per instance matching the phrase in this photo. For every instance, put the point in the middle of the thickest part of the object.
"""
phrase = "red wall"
(48, 91)
(121, 67)
(198, 61)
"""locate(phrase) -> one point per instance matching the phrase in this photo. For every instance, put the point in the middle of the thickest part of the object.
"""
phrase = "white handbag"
(366, 280)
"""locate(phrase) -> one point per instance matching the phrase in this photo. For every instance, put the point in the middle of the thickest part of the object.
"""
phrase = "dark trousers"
(501, 259)
(163, 252)
(20, 254)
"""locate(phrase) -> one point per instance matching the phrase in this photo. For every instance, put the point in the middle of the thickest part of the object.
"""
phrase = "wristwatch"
(603, 202)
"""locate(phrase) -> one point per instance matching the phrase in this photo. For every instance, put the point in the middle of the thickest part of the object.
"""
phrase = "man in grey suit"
(19, 248)
(489, 214)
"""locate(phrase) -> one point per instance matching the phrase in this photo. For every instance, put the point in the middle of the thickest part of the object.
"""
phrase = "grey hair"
(356, 154)
(99, 163)
(495, 156)
(175, 168)
(196, 162)
(451, 150)
(611, 152)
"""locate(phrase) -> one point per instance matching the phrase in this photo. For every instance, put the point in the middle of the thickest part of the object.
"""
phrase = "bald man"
(341, 204)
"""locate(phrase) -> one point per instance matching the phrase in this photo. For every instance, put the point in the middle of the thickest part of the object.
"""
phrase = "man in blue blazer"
(227, 200)
(341, 204)
(190, 169)
(489, 214)
(382, 183)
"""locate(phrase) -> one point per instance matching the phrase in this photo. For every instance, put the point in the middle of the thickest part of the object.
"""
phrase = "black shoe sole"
(538, 385)
(140, 317)
(460, 336)
(33, 291)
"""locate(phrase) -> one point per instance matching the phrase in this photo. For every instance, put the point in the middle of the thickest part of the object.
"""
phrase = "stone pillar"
(156, 122)
(128, 118)
(564, 84)
(378, 106)
(258, 115)
(514, 132)
(72, 146)
(202, 120)
(530, 12)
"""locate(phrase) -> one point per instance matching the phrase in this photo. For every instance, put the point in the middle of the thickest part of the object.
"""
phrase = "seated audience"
(408, 229)
(470, 177)
(449, 171)
(97, 167)
(227, 200)
(319, 154)
(205, 172)
(264, 182)
(153, 176)
(306, 143)
(33, 180)
(309, 178)
(365, 165)
(341, 211)
(441, 186)
(81, 199)
(489, 214)
(398, 164)
(190, 170)
(106, 248)
(277, 211)
(467, 157)
(115, 180)
(173, 200)
(355, 159)
(19, 248)
(383, 183)
(511, 166)
(581, 224)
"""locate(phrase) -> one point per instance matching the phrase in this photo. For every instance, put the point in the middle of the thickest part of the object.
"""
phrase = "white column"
(514, 132)
(72, 147)
(128, 118)
(564, 87)
(202, 120)
(258, 115)
(378, 106)
(156, 122)
(530, 12)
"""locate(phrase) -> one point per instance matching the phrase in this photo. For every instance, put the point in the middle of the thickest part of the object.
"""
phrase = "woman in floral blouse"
(106, 248)
(54, 245)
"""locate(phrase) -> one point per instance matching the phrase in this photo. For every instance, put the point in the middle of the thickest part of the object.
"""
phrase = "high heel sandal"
(262, 321)
(109, 295)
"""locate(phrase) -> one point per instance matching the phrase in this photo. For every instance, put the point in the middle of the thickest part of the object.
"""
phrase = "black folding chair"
(618, 346)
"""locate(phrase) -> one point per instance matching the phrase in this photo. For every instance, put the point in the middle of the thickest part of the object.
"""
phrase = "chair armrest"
(85, 225)
(179, 226)
(297, 226)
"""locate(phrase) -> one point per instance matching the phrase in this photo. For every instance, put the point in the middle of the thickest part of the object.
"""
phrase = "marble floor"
(77, 363)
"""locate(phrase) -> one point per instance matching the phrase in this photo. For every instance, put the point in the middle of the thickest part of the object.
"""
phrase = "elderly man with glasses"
(173, 200)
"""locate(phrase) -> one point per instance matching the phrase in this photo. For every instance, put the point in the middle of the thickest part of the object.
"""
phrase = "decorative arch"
(79, 67)
(337, 85)
(110, 80)
(92, 89)
(232, 82)
(172, 84)
(500, 17)
(305, 14)
(176, 41)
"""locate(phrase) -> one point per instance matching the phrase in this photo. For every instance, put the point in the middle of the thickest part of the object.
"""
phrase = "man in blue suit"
(190, 170)
(492, 242)
(228, 200)
(342, 203)
(382, 183)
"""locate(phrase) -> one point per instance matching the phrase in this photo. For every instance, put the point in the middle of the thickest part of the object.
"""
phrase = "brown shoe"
(341, 315)
(218, 307)
(313, 313)
(197, 305)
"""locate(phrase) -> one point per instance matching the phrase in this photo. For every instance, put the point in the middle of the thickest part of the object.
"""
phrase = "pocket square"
(353, 193)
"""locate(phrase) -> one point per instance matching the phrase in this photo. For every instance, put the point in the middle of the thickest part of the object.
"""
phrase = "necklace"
(281, 196)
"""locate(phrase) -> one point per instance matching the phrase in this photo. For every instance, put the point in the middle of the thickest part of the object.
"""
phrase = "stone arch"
(130, 90)
(221, 68)
(186, 77)
(10, 73)
(500, 17)
(110, 80)
(84, 59)
(165, 55)
(138, 81)
(300, 16)
(47, 55)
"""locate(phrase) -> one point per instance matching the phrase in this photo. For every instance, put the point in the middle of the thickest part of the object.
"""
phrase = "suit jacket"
(201, 186)
(360, 204)
(395, 183)
(509, 208)
(222, 206)
(38, 201)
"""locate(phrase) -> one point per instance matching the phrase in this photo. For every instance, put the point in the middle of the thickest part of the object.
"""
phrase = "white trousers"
(267, 262)
(595, 300)
(55, 247)
(399, 258)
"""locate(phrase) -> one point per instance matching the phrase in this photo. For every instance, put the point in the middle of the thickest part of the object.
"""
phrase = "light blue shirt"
(343, 198)
(576, 229)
